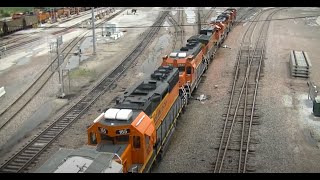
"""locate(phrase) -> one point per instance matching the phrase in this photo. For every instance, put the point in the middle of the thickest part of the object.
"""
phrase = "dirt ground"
(18, 69)
(288, 133)
(192, 147)
(82, 79)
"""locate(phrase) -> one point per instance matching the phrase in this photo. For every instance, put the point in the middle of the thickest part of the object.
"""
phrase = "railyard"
(247, 114)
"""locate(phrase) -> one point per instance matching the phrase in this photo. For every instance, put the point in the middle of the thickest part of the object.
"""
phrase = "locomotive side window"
(188, 70)
(93, 138)
(107, 138)
(122, 139)
(147, 139)
(181, 68)
(136, 142)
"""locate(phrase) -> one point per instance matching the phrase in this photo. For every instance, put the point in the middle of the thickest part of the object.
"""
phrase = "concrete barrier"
(2, 91)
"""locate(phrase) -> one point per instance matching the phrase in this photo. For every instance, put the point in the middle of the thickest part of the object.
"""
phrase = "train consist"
(22, 21)
(133, 134)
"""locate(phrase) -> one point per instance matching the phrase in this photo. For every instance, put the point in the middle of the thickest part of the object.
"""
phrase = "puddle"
(287, 101)
(318, 20)
(86, 43)
(40, 115)
(166, 24)
(14, 88)
(191, 16)
(306, 110)
(307, 102)
(267, 8)
(306, 117)
(308, 137)
(174, 12)
(152, 61)
(10, 60)
(312, 21)
(43, 113)
(23, 61)
(73, 62)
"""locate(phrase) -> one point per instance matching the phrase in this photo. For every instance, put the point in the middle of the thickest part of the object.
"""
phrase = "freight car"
(23, 21)
(17, 24)
(17, 16)
(30, 21)
(1, 28)
(134, 133)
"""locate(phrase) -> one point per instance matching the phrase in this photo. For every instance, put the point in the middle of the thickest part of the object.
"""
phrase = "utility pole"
(79, 53)
(199, 21)
(60, 72)
(102, 30)
(93, 32)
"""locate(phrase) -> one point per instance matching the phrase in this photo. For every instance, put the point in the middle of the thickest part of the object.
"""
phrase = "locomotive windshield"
(115, 140)
(181, 69)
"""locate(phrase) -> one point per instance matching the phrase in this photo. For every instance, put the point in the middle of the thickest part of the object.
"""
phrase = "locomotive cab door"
(189, 73)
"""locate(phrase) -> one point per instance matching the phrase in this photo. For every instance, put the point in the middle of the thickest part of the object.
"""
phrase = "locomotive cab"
(191, 60)
(128, 133)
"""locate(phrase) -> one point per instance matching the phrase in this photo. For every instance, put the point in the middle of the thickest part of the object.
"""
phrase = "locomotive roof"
(223, 17)
(208, 31)
(193, 45)
(139, 97)
(208, 28)
(143, 92)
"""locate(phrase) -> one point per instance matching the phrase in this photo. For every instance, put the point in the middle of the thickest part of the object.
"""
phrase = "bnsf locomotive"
(133, 134)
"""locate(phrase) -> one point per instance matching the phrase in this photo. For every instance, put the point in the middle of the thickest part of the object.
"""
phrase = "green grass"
(81, 73)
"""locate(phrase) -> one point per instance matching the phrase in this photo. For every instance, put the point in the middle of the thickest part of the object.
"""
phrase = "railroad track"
(20, 44)
(70, 27)
(22, 36)
(208, 14)
(179, 30)
(23, 99)
(29, 153)
(244, 14)
(235, 141)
